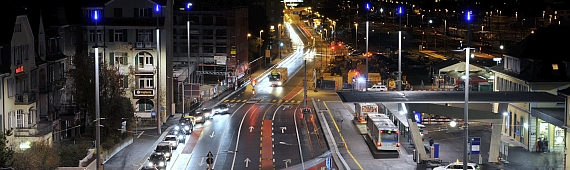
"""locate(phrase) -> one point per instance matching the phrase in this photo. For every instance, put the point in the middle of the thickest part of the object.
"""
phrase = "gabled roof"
(445, 63)
(5, 61)
(559, 6)
(538, 71)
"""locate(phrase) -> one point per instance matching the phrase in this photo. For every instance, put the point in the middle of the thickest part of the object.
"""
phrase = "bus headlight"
(186, 128)
(166, 154)
(150, 164)
(161, 164)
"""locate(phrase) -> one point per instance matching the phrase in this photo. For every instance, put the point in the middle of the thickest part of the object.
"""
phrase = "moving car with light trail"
(221, 109)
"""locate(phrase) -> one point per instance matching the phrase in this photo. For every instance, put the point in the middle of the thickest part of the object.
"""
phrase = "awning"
(554, 116)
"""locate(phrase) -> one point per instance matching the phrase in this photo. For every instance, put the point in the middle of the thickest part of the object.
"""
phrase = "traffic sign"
(209, 154)
(328, 162)
(210, 161)
(153, 112)
(475, 145)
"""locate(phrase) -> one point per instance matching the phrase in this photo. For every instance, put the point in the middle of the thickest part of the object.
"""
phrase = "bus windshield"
(389, 136)
(274, 77)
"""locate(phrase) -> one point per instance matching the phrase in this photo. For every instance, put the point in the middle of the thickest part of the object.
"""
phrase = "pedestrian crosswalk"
(262, 101)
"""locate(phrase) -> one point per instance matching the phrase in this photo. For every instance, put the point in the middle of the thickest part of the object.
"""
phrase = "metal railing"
(39, 129)
(26, 98)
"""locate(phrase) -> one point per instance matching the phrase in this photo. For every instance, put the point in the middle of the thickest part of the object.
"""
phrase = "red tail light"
(378, 144)
(398, 144)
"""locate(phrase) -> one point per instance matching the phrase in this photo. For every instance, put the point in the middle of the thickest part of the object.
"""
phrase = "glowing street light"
(97, 107)
(466, 89)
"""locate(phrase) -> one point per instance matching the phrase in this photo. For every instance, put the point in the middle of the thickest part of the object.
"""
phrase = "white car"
(172, 140)
(378, 88)
(458, 166)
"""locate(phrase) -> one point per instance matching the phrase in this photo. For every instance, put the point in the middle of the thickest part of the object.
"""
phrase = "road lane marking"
(238, 135)
(342, 137)
(297, 132)
(223, 135)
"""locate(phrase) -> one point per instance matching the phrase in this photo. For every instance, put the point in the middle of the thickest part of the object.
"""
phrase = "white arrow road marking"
(250, 128)
(201, 162)
(212, 135)
(283, 129)
(247, 161)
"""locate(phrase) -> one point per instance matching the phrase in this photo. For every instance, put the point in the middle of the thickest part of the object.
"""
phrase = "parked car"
(378, 88)
(458, 166)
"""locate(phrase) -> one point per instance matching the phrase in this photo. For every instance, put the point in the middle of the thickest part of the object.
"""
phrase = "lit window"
(554, 66)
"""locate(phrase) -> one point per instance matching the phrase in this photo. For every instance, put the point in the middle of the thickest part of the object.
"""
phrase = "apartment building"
(20, 97)
(126, 35)
(218, 52)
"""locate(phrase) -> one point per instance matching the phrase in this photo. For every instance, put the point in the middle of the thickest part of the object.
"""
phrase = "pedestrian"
(431, 142)
(540, 143)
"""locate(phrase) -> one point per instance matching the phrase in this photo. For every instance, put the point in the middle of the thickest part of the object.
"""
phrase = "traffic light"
(253, 90)
(340, 44)
(253, 82)
(332, 48)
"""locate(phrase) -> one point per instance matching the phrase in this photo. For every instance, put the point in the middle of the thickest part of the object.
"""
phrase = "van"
(165, 148)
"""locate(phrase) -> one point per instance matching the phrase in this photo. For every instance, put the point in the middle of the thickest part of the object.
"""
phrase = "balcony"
(146, 69)
(25, 99)
(45, 88)
(42, 128)
(144, 45)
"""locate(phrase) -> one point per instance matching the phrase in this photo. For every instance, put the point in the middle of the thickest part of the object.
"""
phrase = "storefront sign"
(144, 92)
(19, 69)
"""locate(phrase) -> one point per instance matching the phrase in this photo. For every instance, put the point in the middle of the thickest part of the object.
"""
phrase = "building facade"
(529, 123)
(20, 95)
(218, 52)
(126, 34)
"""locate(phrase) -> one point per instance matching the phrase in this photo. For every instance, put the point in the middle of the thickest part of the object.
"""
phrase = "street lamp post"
(400, 51)
(366, 52)
(356, 38)
(97, 107)
(466, 89)
(188, 51)
(158, 107)
(261, 44)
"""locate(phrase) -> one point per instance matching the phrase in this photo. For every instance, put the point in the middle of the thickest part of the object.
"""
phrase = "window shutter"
(125, 35)
(137, 62)
(136, 14)
(111, 35)
(126, 81)
(150, 11)
(125, 59)
(111, 58)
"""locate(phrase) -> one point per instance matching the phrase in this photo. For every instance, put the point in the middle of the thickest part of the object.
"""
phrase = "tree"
(6, 153)
(70, 152)
(114, 106)
(40, 156)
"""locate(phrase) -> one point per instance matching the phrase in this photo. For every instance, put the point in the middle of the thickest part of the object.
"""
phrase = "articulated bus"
(383, 132)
